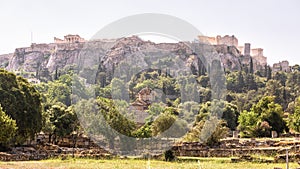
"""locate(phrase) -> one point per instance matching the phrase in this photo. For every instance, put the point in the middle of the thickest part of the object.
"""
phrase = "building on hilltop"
(281, 66)
(257, 54)
(69, 39)
(247, 54)
(219, 40)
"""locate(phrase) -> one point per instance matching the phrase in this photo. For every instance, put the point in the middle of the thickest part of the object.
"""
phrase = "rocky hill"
(41, 61)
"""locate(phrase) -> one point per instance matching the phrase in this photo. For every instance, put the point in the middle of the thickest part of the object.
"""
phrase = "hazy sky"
(269, 24)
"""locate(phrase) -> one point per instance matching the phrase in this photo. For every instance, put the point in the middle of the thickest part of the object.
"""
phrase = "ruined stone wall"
(206, 39)
(281, 66)
(40, 47)
(261, 60)
(241, 49)
(258, 55)
(257, 52)
(227, 40)
(57, 40)
(219, 40)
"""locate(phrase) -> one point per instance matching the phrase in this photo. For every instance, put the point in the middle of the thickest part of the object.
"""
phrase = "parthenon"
(69, 39)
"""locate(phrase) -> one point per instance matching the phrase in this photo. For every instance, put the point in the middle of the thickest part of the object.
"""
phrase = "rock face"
(44, 59)
(230, 57)
(4, 60)
(38, 56)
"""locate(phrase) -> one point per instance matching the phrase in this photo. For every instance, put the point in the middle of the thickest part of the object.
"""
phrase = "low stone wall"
(219, 152)
(228, 148)
(238, 147)
(51, 151)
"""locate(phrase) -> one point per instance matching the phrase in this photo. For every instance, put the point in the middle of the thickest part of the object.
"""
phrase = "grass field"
(203, 163)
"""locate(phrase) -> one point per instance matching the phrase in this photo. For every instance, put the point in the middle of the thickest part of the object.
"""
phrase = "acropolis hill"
(40, 60)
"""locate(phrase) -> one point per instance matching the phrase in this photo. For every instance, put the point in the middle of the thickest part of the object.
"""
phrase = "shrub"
(169, 155)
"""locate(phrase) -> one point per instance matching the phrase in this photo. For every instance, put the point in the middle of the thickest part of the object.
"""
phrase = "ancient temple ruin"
(69, 39)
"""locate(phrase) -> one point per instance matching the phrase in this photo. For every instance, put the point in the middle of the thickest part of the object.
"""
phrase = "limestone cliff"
(45, 59)
(4, 60)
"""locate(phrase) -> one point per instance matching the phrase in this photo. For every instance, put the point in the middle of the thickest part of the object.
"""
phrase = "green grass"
(204, 163)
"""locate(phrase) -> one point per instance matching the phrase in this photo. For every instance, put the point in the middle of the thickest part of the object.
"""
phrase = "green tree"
(244, 101)
(8, 128)
(281, 77)
(188, 110)
(227, 111)
(251, 71)
(250, 82)
(248, 121)
(271, 112)
(154, 110)
(48, 126)
(265, 70)
(240, 82)
(203, 81)
(114, 118)
(294, 119)
(178, 129)
(119, 89)
(269, 73)
(231, 81)
(59, 92)
(221, 131)
(66, 89)
(293, 85)
(144, 131)
(93, 121)
(230, 115)
(208, 127)
(63, 121)
(274, 88)
(162, 123)
(208, 130)
(22, 103)
(296, 67)
(251, 124)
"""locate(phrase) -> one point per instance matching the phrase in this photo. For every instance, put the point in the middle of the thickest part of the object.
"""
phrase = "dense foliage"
(22, 103)
(256, 103)
(8, 128)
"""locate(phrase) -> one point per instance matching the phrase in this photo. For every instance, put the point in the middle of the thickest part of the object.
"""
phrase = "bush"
(8, 128)
(169, 155)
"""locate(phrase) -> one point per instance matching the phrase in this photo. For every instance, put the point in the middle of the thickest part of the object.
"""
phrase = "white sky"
(269, 24)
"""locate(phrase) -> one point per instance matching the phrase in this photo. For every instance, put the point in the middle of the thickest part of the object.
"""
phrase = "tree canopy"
(8, 128)
(21, 101)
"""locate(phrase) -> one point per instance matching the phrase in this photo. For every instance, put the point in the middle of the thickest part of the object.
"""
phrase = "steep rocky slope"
(4, 60)
(44, 59)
